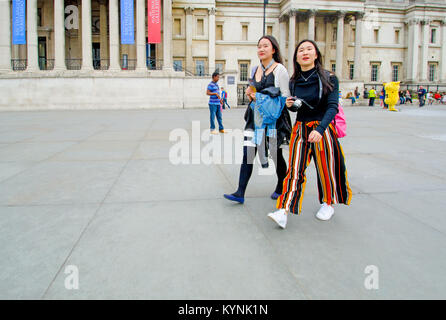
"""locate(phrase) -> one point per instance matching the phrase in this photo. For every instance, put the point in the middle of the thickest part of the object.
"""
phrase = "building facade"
(364, 42)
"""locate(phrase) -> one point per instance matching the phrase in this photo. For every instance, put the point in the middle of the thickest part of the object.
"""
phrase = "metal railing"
(412, 87)
(128, 64)
(46, 64)
(73, 64)
(19, 64)
(101, 64)
(154, 64)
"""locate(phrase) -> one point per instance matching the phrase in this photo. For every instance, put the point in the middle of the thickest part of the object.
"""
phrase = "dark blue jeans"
(215, 111)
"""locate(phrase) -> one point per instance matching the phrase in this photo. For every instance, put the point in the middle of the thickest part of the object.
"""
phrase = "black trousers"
(249, 154)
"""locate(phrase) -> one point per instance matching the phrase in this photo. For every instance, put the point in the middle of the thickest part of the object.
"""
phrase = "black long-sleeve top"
(324, 110)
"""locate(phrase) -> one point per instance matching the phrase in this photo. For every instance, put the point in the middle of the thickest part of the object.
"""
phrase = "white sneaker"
(279, 217)
(325, 212)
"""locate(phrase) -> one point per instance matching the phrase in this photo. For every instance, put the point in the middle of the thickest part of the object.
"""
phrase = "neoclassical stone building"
(364, 42)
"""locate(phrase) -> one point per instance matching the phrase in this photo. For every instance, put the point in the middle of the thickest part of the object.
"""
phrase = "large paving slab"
(98, 190)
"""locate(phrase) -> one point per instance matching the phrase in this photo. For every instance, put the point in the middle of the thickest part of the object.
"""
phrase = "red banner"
(154, 21)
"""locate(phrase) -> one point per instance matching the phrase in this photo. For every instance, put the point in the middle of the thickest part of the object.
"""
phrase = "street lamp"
(265, 2)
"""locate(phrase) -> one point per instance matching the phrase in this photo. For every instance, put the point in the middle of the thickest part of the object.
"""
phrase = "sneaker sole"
(276, 222)
(324, 219)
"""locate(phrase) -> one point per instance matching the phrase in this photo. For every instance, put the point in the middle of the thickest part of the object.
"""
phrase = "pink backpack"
(339, 122)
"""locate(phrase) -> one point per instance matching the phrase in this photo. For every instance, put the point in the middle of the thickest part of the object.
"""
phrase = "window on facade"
(177, 27)
(269, 30)
(395, 72)
(178, 65)
(243, 71)
(333, 67)
(199, 67)
(39, 17)
(244, 33)
(335, 34)
(351, 71)
(376, 35)
(433, 35)
(219, 32)
(219, 66)
(432, 72)
(374, 73)
(200, 27)
(397, 36)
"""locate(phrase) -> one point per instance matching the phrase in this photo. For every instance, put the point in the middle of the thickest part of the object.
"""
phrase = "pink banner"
(154, 21)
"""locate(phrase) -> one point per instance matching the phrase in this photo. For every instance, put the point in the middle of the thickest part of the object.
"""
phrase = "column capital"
(341, 14)
(311, 12)
(443, 22)
(292, 13)
(414, 21)
(425, 22)
(212, 11)
(283, 18)
(189, 10)
(359, 15)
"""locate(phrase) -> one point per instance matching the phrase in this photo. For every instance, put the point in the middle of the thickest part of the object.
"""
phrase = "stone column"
(358, 45)
(311, 24)
(211, 40)
(59, 35)
(291, 40)
(114, 36)
(340, 45)
(167, 35)
(31, 30)
(141, 35)
(87, 55)
(424, 49)
(328, 36)
(282, 34)
(189, 24)
(443, 52)
(5, 36)
(412, 70)
(103, 25)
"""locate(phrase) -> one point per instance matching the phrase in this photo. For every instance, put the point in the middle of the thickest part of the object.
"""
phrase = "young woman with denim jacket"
(314, 136)
(270, 73)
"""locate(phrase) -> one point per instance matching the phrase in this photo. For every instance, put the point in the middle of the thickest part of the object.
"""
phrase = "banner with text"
(19, 22)
(154, 21)
(127, 22)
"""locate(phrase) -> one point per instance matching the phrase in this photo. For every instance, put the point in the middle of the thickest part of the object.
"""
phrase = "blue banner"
(127, 22)
(19, 22)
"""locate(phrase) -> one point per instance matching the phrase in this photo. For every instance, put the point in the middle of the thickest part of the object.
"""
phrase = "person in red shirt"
(437, 97)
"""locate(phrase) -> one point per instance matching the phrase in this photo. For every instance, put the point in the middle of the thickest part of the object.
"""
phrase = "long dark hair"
(276, 55)
(323, 74)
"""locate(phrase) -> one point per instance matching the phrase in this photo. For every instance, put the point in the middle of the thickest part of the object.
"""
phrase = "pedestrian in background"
(214, 103)
(421, 96)
(372, 97)
(408, 96)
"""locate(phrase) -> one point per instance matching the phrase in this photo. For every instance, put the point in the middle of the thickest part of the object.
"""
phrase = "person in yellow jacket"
(372, 96)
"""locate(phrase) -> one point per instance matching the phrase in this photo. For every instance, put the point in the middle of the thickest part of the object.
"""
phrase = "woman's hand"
(250, 94)
(314, 136)
(289, 102)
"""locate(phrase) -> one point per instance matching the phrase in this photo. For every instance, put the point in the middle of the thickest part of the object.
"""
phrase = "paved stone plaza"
(96, 190)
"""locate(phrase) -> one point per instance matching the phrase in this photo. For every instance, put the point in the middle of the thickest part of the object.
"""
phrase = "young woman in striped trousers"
(313, 136)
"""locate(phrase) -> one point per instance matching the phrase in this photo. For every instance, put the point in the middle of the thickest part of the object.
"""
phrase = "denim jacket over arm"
(267, 109)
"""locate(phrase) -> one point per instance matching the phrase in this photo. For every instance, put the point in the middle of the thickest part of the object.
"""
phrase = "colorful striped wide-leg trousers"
(332, 181)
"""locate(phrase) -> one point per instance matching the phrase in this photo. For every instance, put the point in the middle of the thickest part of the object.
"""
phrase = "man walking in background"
(421, 96)
(214, 103)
